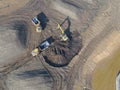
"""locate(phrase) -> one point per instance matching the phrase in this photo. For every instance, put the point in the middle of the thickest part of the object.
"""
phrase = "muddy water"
(104, 77)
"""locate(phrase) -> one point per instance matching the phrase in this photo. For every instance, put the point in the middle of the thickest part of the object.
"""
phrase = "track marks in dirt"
(9, 6)
(64, 10)
(58, 74)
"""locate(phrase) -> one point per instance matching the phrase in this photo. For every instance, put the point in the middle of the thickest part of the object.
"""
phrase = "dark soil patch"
(21, 27)
(36, 73)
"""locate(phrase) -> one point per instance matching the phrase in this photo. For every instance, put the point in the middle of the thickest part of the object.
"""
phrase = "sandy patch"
(64, 9)
(7, 6)
(107, 47)
(9, 45)
(89, 1)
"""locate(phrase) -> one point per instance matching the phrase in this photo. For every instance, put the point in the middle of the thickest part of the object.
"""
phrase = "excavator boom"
(61, 28)
(64, 36)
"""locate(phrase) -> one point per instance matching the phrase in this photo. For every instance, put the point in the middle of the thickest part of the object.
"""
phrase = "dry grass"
(105, 74)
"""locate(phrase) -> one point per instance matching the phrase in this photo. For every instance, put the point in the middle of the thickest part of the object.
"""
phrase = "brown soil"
(91, 26)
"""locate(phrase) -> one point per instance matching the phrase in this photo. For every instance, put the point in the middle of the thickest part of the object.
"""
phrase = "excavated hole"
(61, 53)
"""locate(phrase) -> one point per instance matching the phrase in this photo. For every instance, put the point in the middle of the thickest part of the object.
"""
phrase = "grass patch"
(104, 77)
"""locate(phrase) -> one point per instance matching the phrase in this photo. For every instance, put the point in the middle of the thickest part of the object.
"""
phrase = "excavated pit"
(62, 52)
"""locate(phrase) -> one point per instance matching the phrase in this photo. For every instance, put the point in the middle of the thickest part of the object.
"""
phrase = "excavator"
(63, 35)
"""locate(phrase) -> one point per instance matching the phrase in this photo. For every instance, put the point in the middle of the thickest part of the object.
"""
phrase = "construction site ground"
(89, 61)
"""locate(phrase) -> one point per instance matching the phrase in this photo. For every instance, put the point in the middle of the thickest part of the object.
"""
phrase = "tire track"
(55, 75)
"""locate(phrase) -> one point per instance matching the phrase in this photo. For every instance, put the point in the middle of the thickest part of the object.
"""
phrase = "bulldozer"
(63, 35)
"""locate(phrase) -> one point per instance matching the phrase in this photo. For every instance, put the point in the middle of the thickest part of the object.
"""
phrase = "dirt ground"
(9, 6)
(86, 62)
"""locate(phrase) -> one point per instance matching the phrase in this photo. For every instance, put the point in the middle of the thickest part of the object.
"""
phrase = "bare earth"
(92, 61)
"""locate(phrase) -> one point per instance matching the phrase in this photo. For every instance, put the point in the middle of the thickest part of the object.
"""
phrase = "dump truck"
(36, 23)
(44, 45)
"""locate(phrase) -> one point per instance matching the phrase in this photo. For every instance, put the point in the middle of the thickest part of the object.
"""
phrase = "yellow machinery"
(63, 36)
(36, 22)
(35, 52)
(44, 45)
(38, 29)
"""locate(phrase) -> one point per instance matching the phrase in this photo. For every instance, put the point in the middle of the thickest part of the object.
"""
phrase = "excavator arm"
(64, 36)
(61, 28)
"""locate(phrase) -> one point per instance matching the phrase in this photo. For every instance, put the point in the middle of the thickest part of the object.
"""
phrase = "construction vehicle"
(44, 45)
(63, 35)
(36, 22)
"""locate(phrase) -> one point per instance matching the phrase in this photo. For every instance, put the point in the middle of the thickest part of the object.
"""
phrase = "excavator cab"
(64, 37)
(38, 29)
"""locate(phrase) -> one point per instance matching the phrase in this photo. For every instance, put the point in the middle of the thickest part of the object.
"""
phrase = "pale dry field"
(105, 74)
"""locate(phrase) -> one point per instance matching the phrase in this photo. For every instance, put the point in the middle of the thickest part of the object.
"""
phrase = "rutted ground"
(31, 76)
(9, 6)
(94, 20)
(106, 48)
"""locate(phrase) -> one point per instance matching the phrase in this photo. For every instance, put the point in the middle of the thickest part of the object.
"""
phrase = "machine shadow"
(43, 20)
(34, 73)
(54, 64)
(67, 30)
